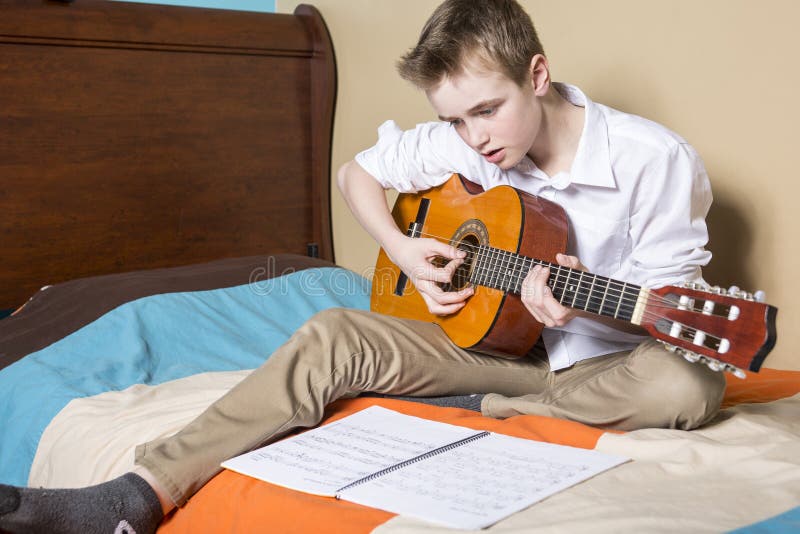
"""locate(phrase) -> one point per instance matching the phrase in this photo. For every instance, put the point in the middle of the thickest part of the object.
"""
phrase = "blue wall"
(243, 5)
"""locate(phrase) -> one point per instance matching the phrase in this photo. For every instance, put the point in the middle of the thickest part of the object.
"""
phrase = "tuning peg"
(695, 285)
(690, 356)
(760, 296)
(735, 371)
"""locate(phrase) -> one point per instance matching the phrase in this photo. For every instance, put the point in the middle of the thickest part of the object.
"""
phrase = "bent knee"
(675, 393)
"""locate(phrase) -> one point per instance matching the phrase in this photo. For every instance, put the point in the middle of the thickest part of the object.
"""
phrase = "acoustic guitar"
(505, 232)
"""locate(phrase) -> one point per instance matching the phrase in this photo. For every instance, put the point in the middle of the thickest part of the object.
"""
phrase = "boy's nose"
(478, 137)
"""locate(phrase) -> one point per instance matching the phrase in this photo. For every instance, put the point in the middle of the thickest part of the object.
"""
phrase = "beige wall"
(722, 73)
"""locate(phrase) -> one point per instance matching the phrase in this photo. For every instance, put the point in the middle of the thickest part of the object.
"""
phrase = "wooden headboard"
(137, 136)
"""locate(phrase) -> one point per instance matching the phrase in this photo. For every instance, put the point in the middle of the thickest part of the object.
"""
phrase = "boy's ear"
(540, 75)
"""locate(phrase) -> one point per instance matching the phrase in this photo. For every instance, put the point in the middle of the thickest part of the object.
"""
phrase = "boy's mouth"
(494, 156)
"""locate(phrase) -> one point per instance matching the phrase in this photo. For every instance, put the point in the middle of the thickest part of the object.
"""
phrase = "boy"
(636, 195)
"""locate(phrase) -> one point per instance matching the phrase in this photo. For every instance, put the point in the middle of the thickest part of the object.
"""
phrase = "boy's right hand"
(415, 257)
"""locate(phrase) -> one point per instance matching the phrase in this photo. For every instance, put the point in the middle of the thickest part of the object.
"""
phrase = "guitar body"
(493, 321)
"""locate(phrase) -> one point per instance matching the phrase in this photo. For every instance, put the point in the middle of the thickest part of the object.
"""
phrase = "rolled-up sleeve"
(415, 160)
(668, 226)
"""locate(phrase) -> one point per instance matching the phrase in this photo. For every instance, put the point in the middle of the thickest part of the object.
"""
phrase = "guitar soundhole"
(469, 237)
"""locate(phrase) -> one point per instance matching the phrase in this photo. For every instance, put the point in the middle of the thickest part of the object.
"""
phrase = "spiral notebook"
(441, 473)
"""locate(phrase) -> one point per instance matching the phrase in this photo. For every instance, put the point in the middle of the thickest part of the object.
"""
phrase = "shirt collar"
(592, 164)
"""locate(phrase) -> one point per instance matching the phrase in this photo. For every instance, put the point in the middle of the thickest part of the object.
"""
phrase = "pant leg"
(335, 353)
(648, 387)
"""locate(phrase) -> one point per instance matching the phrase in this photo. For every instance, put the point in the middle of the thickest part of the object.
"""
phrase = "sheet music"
(327, 458)
(478, 484)
(470, 486)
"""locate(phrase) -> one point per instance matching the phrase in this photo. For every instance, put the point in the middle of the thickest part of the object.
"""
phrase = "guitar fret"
(495, 273)
(492, 268)
(569, 288)
(577, 290)
(622, 293)
(561, 286)
(527, 264)
(498, 269)
(597, 298)
(591, 290)
(504, 270)
(608, 304)
(507, 271)
(517, 274)
(627, 306)
(586, 285)
(476, 260)
(487, 265)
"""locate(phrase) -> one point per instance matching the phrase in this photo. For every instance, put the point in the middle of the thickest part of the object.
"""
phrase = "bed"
(166, 224)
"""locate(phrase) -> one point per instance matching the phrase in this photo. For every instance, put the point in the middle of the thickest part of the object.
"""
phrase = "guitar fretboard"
(503, 270)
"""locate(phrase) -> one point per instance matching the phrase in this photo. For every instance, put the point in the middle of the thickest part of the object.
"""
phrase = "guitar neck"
(505, 271)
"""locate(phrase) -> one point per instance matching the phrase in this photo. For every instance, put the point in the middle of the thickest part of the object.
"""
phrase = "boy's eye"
(456, 122)
(486, 112)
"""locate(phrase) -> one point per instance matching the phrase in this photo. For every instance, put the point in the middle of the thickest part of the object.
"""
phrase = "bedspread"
(94, 367)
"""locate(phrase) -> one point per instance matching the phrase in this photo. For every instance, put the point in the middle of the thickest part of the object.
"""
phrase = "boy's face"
(496, 117)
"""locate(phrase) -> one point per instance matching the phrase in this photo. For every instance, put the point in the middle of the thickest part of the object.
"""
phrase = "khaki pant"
(343, 352)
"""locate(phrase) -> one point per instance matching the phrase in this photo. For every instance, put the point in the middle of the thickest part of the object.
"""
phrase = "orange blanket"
(233, 503)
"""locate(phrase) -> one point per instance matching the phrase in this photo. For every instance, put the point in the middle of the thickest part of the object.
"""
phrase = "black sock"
(125, 505)
(469, 402)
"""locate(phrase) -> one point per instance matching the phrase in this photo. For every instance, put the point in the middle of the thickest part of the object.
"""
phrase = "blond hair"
(498, 33)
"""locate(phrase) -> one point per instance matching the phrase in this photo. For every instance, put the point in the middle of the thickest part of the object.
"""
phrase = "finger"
(540, 278)
(442, 309)
(441, 274)
(570, 261)
(452, 297)
(534, 293)
(432, 273)
(453, 265)
(436, 294)
(450, 252)
(532, 286)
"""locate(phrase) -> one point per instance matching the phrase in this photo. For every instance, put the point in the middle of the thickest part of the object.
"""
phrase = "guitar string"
(629, 293)
(518, 270)
(632, 295)
(685, 329)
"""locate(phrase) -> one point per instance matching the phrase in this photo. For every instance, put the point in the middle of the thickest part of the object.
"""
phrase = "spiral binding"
(404, 463)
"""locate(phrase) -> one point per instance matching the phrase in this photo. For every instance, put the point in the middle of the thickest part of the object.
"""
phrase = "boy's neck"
(561, 128)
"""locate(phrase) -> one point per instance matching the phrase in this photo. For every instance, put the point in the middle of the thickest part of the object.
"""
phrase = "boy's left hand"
(538, 297)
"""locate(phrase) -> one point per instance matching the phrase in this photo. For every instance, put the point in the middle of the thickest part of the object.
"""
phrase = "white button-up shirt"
(636, 197)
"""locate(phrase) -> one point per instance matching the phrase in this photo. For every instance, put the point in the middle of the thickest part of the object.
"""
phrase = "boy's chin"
(508, 163)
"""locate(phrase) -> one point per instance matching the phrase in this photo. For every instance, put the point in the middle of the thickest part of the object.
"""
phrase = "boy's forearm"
(367, 200)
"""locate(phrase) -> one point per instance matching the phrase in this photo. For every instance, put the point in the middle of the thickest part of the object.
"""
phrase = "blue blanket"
(160, 338)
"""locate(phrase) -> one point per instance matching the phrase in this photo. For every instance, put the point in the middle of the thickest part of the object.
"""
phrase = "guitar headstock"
(729, 330)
